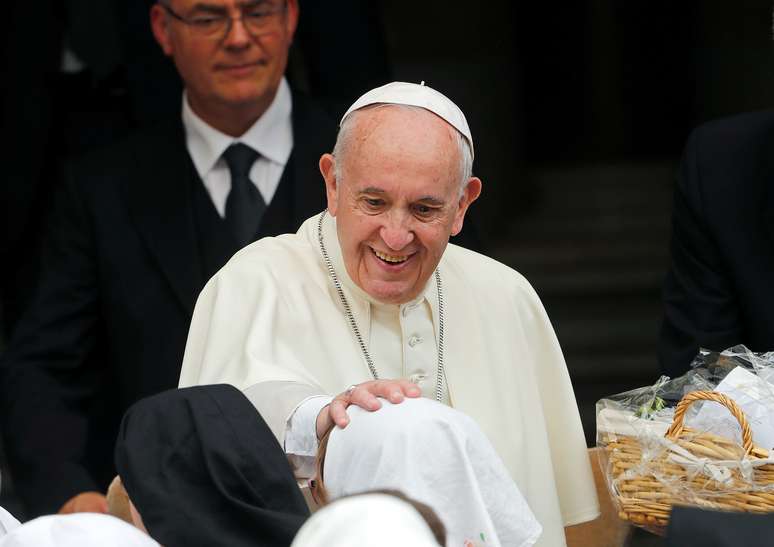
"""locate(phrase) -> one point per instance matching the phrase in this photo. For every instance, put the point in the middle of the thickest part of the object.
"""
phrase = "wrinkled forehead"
(400, 118)
(404, 134)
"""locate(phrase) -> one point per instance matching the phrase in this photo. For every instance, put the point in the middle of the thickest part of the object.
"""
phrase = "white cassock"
(272, 321)
(7, 522)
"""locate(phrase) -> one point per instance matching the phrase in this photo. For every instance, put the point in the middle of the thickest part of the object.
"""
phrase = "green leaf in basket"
(650, 408)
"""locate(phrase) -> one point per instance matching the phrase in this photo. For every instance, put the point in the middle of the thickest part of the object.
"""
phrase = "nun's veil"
(203, 468)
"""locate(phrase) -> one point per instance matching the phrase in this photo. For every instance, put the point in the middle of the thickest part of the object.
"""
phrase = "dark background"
(579, 112)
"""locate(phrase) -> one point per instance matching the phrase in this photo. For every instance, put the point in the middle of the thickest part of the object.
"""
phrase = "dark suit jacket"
(108, 325)
(691, 527)
(719, 291)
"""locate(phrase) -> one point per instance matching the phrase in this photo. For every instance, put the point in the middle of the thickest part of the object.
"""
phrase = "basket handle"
(676, 428)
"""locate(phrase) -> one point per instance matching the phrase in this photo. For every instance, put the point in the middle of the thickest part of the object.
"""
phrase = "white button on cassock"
(414, 340)
(418, 377)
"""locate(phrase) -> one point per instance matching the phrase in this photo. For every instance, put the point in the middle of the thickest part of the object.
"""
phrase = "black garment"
(719, 291)
(690, 527)
(122, 270)
(203, 468)
(48, 116)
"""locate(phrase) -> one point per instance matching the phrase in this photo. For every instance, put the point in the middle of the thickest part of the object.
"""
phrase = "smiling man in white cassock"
(369, 305)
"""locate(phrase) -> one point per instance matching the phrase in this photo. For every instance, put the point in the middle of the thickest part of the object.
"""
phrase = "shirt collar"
(271, 135)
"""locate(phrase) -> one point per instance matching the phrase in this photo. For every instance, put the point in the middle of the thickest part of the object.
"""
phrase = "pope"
(369, 305)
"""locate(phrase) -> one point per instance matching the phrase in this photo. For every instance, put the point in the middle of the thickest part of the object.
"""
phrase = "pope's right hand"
(85, 502)
(365, 395)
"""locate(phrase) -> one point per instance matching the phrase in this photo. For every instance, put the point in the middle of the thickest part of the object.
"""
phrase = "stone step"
(602, 229)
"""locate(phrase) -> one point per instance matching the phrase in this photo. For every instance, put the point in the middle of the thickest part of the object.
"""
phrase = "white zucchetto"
(416, 95)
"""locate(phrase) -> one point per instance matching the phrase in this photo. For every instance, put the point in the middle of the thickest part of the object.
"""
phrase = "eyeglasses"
(215, 23)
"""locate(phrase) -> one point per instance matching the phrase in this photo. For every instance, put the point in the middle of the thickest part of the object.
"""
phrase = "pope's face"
(237, 69)
(398, 200)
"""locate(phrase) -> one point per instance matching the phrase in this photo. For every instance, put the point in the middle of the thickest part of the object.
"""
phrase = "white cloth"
(77, 530)
(271, 136)
(754, 395)
(460, 477)
(371, 520)
(7, 522)
(272, 317)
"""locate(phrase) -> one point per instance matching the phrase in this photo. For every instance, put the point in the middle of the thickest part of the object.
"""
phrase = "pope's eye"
(373, 202)
(423, 210)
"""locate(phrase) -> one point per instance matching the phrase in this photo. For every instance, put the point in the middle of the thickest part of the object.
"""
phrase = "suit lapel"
(161, 204)
(313, 135)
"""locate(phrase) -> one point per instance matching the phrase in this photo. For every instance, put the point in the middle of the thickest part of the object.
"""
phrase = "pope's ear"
(328, 170)
(469, 195)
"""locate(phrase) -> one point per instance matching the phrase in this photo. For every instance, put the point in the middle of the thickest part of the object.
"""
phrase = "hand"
(365, 396)
(85, 502)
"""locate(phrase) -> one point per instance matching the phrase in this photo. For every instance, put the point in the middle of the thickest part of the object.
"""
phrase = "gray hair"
(345, 136)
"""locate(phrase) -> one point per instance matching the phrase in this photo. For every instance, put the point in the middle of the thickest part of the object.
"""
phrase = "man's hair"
(344, 138)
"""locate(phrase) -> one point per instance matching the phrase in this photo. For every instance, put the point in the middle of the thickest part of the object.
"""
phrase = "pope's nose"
(396, 234)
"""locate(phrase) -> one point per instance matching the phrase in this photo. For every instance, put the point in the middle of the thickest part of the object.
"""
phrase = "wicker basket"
(647, 487)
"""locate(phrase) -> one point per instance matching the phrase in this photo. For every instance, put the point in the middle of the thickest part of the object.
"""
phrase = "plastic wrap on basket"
(702, 439)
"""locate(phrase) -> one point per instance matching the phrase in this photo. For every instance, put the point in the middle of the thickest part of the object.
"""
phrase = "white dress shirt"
(271, 136)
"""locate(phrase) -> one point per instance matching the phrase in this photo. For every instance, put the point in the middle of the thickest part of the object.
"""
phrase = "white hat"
(79, 529)
(375, 520)
(416, 95)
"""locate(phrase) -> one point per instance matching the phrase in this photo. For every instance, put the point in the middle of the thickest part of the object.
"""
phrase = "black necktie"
(244, 205)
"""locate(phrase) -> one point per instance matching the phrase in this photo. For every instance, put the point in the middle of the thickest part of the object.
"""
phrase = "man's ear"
(469, 195)
(160, 27)
(328, 170)
(292, 19)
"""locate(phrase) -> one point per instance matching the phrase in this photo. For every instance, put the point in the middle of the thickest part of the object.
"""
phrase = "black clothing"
(691, 527)
(203, 468)
(718, 292)
(127, 256)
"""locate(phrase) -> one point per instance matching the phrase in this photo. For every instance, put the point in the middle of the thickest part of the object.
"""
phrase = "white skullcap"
(375, 520)
(416, 95)
(79, 529)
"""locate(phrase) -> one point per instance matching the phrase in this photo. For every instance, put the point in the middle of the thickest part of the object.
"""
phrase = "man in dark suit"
(138, 230)
(719, 291)
(94, 73)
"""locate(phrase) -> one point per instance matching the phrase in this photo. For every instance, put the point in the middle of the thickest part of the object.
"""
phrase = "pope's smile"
(391, 262)
(392, 259)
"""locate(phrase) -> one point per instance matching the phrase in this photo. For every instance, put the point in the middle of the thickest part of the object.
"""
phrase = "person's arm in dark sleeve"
(45, 383)
(700, 306)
